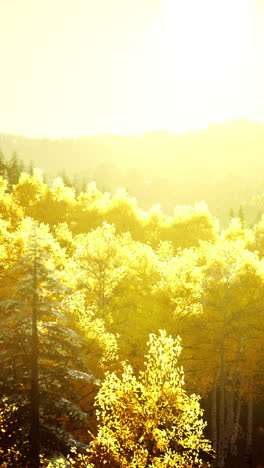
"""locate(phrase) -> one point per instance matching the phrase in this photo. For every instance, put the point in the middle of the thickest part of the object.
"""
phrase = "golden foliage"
(149, 420)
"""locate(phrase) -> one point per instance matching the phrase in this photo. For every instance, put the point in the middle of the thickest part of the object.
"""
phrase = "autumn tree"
(29, 191)
(149, 420)
(189, 225)
(122, 211)
(9, 209)
(232, 304)
(88, 212)
(99, 266)
(214, 296)
(117, 276)
(256, 242)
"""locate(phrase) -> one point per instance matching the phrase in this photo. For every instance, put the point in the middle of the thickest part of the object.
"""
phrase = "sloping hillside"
(222, 164)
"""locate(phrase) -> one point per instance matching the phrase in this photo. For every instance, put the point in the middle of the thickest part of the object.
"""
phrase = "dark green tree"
(231, 214)
(65, 179)
(30, 169)
(241, 216)
(14, 169)
(3, 167)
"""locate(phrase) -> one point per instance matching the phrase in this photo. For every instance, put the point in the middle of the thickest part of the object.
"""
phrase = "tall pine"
(42, 360)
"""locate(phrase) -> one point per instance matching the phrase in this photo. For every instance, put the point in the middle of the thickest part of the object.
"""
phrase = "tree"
(3, 168)
(214, 296)
(100, 266)
(29, 191)
(14, 170)
(117, 276)
(122, 211)
(149, 421)
(42, 357)
(30, 169)
(232, 301)
(241, 216)
(65, 179)
(231, 214)
(55, 205)
(190, 225)
(9, 210)
(236, 231)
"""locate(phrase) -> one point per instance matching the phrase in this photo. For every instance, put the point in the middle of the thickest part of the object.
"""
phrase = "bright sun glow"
(205, 58)
(85, 67)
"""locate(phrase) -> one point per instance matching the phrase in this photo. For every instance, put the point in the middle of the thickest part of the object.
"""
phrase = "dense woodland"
(129, 337)
(222, 164)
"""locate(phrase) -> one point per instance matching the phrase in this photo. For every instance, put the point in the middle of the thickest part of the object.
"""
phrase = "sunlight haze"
(132, 234)
(125, 67)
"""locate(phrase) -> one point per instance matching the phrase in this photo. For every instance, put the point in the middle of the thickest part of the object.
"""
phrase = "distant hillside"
(223, 164)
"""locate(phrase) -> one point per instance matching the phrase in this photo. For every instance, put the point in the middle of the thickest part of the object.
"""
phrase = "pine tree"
(241, 216)
(14, 169)
(42, 360)
(30, 169)
(231, 214)
(65, 179)
(3, 168)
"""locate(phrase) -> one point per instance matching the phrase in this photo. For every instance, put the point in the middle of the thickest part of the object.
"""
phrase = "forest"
(129, 337)
(221, 164)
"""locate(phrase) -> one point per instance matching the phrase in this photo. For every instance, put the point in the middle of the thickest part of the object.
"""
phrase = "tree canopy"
(103, 277)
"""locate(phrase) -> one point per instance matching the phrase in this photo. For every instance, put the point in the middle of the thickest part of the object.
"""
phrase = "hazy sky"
(83, 67)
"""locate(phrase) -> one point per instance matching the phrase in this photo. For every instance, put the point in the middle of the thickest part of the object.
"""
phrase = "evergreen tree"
(65, 179)
(241, 216)
(259, 216)
(14, 169)
(30, 169)
(76, 184)
(42, 359)
(231, 214)
(3, 168)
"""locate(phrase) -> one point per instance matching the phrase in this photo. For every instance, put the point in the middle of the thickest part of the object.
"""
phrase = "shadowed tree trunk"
(236, 426)
(249, 446)
(221, 438)
(34, 437)
(214, 416)
(229, 418)
(235, 411)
